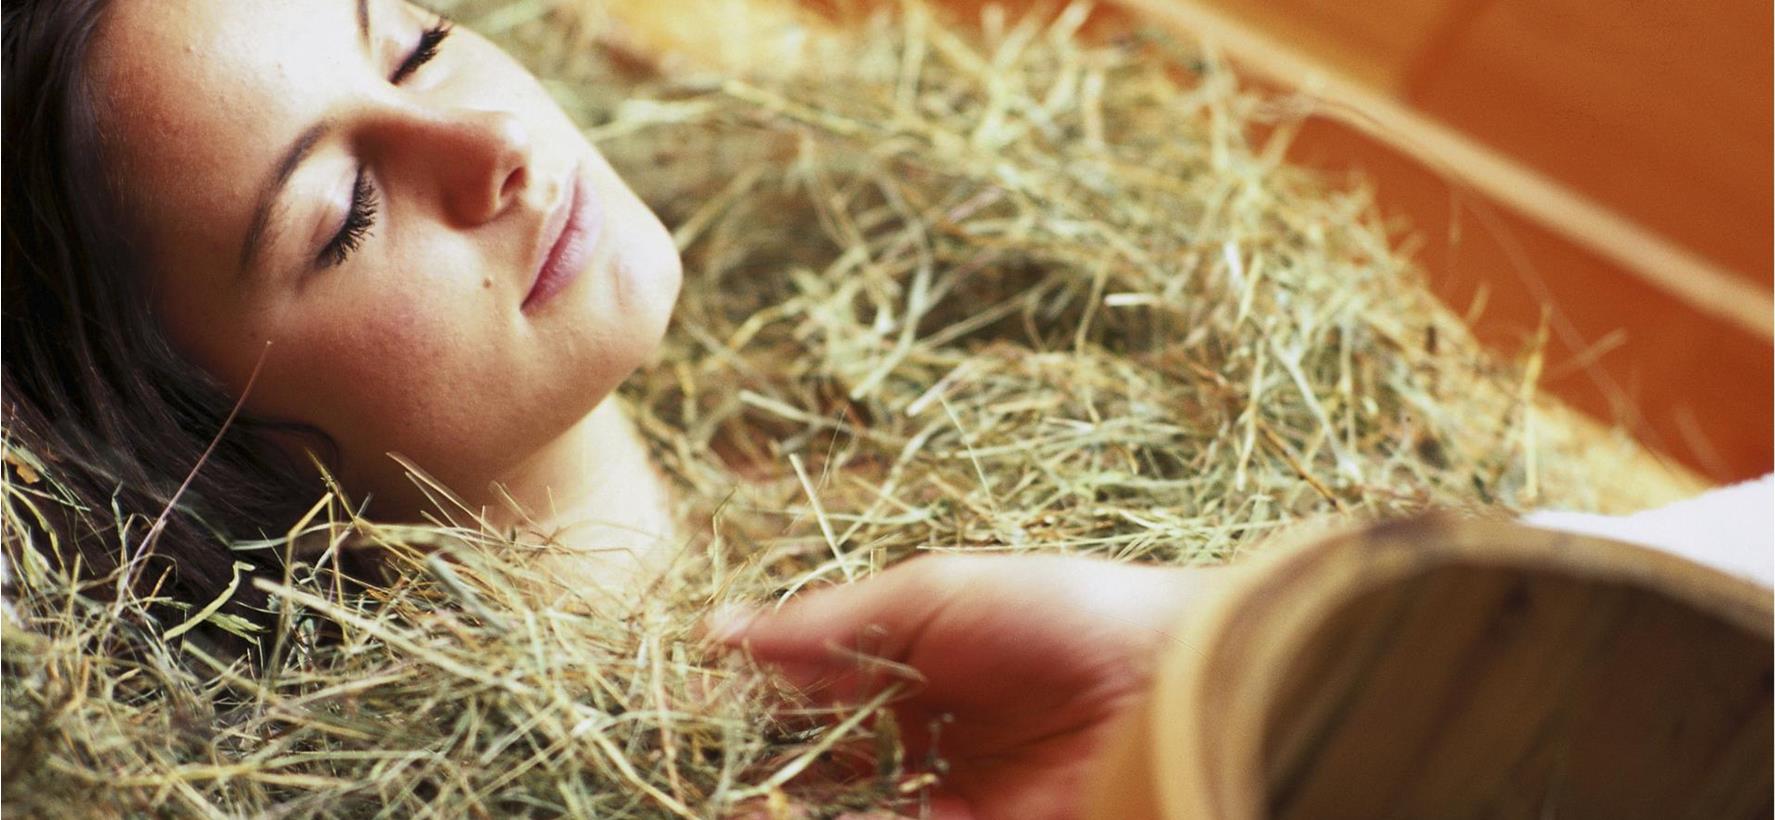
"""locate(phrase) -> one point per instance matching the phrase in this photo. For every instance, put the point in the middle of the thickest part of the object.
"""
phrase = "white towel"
(1731, 529)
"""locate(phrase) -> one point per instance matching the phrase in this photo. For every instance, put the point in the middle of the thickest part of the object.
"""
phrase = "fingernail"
(729, 621)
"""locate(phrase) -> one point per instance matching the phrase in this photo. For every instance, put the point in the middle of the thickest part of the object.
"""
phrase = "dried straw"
(1009, 292)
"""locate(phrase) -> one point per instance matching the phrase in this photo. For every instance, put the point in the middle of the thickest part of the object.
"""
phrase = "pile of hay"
(1009, 292)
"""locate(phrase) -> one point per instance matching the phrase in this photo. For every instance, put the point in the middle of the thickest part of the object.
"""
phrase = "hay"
(1010, 293)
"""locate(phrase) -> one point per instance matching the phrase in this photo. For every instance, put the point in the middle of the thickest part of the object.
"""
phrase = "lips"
(571, 233)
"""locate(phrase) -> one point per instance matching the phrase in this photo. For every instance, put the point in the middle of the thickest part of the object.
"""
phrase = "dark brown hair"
(92, 387)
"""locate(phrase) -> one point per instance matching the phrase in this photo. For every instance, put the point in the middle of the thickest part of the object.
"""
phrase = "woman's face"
(428, 256)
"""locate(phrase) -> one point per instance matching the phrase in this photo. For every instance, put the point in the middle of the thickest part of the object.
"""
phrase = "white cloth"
(1731, 529)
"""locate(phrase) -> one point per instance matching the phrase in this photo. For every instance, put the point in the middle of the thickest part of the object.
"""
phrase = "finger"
(879, 617)
(846, 643)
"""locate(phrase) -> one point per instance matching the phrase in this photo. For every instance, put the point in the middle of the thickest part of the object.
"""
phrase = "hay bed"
(1008, 292)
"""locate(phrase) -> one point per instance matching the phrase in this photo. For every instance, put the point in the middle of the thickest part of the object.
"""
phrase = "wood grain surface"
(1456, 668)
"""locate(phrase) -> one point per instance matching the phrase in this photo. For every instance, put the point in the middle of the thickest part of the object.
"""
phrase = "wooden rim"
(1205, 731)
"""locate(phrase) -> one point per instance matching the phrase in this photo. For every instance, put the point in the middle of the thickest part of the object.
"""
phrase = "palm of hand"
(1024, 662)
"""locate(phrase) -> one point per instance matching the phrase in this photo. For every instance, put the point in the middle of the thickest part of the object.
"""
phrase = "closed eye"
(430, 42)
(360, 217)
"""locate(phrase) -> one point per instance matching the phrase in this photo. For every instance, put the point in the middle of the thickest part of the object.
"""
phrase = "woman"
(378, 238)
(377, 235)
(407, 257)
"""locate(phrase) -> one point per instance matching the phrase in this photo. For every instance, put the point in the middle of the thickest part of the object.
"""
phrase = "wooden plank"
(1680, 381)
(1658, 109)
(1491, 173)
(1691, 374)
(1376, 43)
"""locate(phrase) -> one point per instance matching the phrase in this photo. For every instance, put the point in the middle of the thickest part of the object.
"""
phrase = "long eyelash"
(358, 221)
(361, 216)
(430, 43)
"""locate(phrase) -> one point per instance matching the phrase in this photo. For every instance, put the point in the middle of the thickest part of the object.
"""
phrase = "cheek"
(374, 352)
(369, 370)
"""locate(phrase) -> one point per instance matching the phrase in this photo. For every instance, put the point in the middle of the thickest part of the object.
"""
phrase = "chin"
(647, 287)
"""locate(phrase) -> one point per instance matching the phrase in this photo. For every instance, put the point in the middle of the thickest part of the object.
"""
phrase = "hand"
(1025, 660)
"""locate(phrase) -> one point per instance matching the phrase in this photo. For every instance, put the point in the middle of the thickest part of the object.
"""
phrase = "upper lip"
(548, 245)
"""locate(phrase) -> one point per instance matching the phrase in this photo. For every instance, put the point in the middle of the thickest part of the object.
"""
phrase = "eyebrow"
(292, 158)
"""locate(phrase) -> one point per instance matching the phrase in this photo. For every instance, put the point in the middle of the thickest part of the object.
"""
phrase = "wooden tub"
(1444, 668)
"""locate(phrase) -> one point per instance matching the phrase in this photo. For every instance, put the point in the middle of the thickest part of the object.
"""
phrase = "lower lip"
(567, 259)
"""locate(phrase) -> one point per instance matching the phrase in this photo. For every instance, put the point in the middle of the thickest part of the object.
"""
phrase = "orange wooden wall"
(1659, 112)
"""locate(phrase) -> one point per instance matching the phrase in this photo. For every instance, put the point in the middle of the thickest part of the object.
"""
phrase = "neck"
(592, 497)
(596, 494)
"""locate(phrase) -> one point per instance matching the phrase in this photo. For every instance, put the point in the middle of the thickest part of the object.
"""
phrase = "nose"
(479, 159)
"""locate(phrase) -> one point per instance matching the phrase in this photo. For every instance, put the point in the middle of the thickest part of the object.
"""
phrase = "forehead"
(199, 98)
